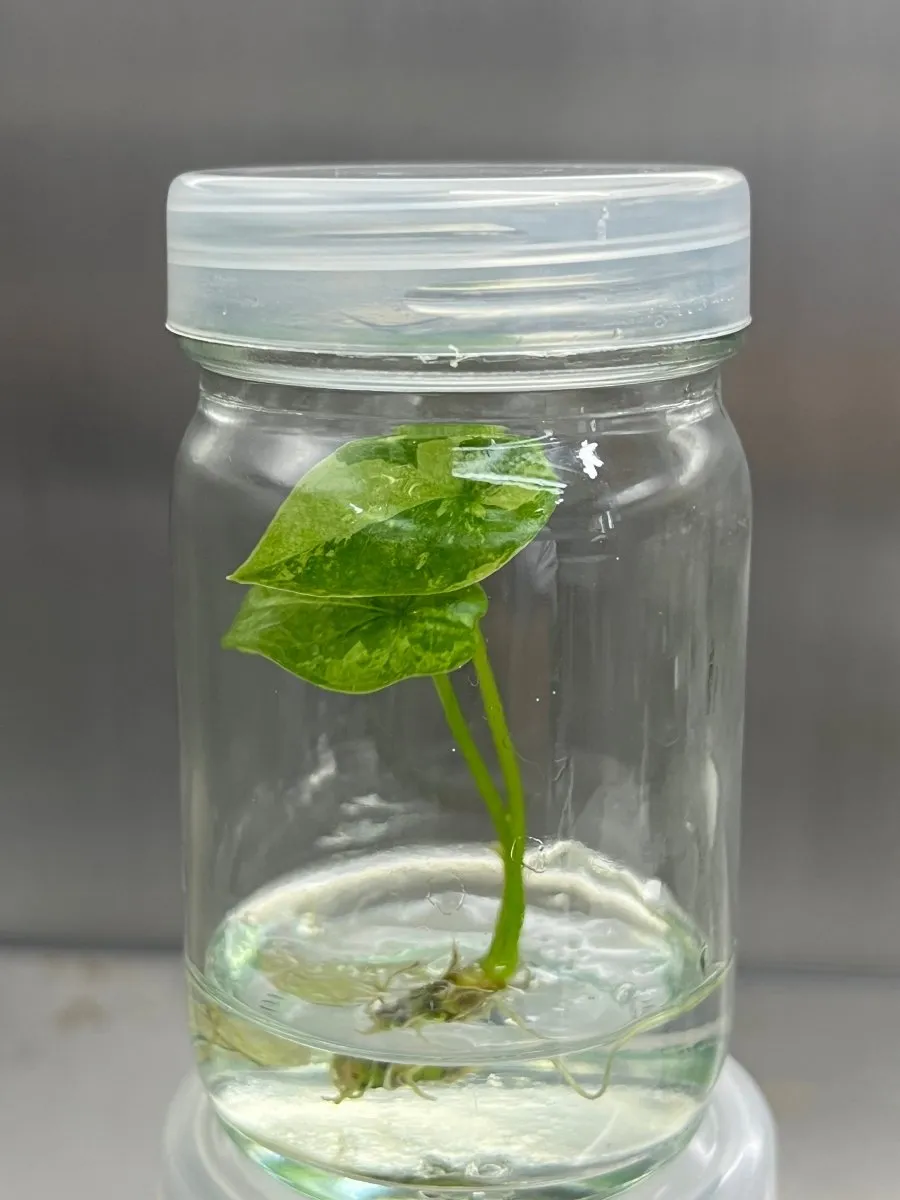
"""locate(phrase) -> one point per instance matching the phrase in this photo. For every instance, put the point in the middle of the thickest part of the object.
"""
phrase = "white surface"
(731, 1157)
(95, 1047)
(826, 1050)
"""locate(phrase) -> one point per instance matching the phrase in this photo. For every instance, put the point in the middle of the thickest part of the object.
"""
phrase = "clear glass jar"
(461, 633)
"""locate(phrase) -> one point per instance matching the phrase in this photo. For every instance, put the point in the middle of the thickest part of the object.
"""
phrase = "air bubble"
(625, 993)
(447, 903)
(487, 1170)
(433, 1164)
(535, 857)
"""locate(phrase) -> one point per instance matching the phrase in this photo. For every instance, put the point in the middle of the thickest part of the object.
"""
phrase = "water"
(590, 1069)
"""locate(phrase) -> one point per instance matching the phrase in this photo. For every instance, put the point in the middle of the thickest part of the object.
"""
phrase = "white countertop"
(96, 1045)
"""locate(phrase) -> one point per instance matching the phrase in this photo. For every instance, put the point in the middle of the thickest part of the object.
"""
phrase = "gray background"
(103, 101)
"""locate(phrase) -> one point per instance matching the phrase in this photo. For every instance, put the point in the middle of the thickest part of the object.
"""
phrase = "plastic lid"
(732, 1156)
(442, 264)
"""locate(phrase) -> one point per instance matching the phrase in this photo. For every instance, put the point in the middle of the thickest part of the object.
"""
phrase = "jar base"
(593, 1064)
(317, 1184)
(730, 1157)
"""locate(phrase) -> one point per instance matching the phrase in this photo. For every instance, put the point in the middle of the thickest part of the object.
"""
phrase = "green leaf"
(359, 645)
(424, 511)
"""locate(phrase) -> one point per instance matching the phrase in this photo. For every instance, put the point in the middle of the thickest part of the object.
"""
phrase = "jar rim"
(409, 174)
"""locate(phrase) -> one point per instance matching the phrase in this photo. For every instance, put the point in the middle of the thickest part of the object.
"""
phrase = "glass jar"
(461, 535)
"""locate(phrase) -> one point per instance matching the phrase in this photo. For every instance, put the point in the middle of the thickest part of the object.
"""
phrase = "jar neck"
(523, 373)
(686, 397)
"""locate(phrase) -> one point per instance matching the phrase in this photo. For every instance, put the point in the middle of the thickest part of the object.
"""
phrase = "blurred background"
(102, 102)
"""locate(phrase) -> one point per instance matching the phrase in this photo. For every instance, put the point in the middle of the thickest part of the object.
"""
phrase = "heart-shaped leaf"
(424, 511)
(359, 645)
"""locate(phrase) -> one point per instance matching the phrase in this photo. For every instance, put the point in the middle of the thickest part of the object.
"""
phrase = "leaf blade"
(358, 646)
(414, 513)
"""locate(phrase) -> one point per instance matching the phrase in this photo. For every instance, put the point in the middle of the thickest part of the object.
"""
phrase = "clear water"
(615, 997)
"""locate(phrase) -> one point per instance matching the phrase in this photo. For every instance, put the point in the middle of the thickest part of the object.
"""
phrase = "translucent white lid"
(441, 264)
(732, 1156)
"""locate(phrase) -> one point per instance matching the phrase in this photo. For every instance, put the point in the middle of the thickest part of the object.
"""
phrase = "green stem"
(506, 751)
(470, 752)
(502, 958)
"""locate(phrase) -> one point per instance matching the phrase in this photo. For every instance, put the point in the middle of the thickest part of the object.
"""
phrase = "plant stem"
(506, 751)
(470, 752)
(502, 958)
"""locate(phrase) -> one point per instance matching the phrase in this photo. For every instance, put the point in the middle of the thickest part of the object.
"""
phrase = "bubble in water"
(535, 856)
(487, 1170)
(660, 322)
(448, 903)
(434, 1164)
(625, 993)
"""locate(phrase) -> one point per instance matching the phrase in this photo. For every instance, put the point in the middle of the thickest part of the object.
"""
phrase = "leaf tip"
(242, 574)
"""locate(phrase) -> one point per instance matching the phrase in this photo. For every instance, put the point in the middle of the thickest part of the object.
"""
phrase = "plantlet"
(370, 574)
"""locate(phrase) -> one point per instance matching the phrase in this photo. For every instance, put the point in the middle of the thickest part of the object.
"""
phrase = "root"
(353, 1077)
(646, 1025)
(459, 994)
